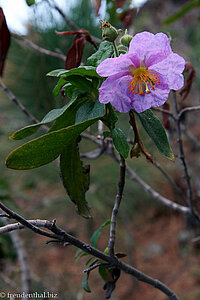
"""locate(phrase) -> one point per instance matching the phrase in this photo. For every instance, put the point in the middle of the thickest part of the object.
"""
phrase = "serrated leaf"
(120, 142)
(75, 177)
(86, 71)
(105, 51)
(85, 284)
(48, 147)
(156, 131)
(97, 233)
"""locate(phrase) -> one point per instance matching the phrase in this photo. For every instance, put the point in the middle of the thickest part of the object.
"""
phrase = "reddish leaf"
(4, 40)
(127, 17)
(97, 7)
(166, 116)
(75, 53)
(188, 84)
(119, 3)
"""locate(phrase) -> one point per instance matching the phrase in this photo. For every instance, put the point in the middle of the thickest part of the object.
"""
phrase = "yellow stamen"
(143, 81)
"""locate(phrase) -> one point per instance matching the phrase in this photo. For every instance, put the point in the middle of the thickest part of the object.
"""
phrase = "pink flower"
(143, 77)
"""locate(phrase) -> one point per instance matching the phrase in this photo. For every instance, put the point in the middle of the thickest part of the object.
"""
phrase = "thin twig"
(37, 48)
(73, 26)
(170, 180)
(164, 111)
(118, 199)
(112, 261)
(147, 188)
(188, 109)
(95, 266)
(182, 155)
(12, 97)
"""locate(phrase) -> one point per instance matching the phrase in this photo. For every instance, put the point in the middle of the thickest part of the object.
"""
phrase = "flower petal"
(112, 66)
(171, 69)
(155, 98)
(115, 90)
(150, 48)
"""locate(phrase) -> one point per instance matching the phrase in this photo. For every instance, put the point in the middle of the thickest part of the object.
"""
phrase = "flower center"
(143, 81)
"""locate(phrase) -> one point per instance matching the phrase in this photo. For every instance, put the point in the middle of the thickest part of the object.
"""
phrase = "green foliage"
(97, 233)
(86, 71)
(120, 142)
(156, 131)
(48, 147)
(75, 177)
(30, 2)
(85, 284)
(187, 7)
(105, 51)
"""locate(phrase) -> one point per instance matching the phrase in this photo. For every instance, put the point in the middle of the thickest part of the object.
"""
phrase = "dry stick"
(169, 203)
(173, 184)
(188, 109)
(62, 235)
(19, 105)
(23, 260)
(35, 47)
(164, 111)
(182, 155)
(118, 199)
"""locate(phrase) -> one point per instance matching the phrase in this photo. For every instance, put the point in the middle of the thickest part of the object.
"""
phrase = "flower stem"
(115, 49)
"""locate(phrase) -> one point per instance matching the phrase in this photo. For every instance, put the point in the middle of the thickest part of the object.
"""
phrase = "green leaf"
(75, 177)
(69, 115)
(182, 11)
(48, 147)
(78, 253)
(105, 51)
(97, 233)
(58, 86)
(50, 117)
(156, 131)
(120, 142)
(110, 118)
(85, 285)
(30, 2)
(89, 111)
(86, 71)
(80, 256)
(102, 273)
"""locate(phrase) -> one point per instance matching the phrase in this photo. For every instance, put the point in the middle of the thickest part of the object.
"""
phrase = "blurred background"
(156, 240)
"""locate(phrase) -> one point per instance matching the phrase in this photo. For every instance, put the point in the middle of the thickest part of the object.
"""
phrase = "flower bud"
(126, 39)
(109, 33)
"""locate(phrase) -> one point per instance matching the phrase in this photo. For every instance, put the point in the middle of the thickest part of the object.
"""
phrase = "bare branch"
(164, 111)
(60, 234)
(68, 21)
(95, 266)
(188, 109)
(118, 199)
(182, 155)
(35, 47)
(173, 184)
(12, 97)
